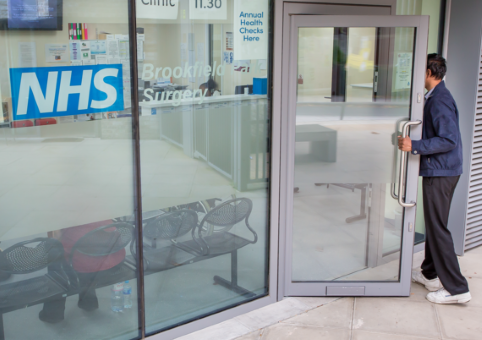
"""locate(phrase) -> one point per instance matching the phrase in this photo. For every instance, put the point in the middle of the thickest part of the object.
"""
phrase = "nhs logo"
(42, 92)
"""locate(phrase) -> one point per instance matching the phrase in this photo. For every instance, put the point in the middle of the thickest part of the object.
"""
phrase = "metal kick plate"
(345, 291)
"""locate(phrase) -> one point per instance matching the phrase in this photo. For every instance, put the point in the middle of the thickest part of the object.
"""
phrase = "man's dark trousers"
(440, 258)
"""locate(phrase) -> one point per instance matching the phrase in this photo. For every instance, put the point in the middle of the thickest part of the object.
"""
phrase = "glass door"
(355, 83)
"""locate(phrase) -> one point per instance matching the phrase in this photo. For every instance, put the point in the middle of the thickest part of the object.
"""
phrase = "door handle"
(394, 165)
(403, 168)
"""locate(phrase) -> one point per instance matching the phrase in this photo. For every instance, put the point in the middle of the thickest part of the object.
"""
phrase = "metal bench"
(322, 139)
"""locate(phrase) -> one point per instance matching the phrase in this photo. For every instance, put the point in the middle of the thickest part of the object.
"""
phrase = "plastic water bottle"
(117, 298)
(127, 292)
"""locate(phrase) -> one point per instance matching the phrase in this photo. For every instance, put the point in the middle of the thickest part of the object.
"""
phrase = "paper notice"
(192, 61)
(85, 50)
(27, 54)
(403, 71)
(140, 49)
(98, 47)
(242, 65)
(113, 60)
(183, 51)
(262, 64)
(124, 49)
(228, 57)
(101, 59)
(229, 41)
(56, 53)
(200, 58)
(75, 50)
(126, 79)
(112, 48)
(76, 63)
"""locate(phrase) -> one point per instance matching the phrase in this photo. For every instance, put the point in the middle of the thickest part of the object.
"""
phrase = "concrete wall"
(462, 77)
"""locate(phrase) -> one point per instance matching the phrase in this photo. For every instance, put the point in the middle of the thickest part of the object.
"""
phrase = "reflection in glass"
(67, 172)
(346, 225)
(204, 160)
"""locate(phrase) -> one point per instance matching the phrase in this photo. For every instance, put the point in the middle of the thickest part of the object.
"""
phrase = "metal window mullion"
(137, 166)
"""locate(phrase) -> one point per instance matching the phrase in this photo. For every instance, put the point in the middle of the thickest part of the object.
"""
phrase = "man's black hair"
(437, 65)
(211, 85)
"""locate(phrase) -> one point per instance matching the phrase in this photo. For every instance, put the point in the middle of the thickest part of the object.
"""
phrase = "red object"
(22, 123)
(45, 121)
(83, 263)
(300, 80)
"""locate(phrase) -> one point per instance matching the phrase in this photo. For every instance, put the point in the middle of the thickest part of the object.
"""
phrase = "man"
(440, 166)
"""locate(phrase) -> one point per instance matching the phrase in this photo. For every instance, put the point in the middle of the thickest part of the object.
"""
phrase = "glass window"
(67, 159)
(204, 129)
(432, 8)
(66, 190)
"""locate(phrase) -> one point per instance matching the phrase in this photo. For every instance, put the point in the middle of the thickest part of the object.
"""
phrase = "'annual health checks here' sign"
(250, 29)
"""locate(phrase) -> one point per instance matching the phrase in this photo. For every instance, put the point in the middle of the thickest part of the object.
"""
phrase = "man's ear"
(429, 73)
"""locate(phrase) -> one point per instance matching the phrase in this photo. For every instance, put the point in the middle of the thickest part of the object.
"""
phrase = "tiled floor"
(412, 318)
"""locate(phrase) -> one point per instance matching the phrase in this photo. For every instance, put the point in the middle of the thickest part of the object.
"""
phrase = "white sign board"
(157, 9)
(251, 29)
(208, 9)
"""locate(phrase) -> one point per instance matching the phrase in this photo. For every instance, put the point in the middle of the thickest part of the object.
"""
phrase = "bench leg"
(324, 151)
(233, 284)
(362, 208)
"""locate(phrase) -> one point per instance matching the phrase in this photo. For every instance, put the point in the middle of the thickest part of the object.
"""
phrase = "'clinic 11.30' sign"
(250, 29)
(157, 9)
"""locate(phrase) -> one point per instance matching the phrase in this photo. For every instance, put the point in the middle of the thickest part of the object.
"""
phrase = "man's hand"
(405, 144)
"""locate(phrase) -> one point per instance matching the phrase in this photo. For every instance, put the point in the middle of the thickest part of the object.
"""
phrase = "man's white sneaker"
(432, 285)
(442, 296)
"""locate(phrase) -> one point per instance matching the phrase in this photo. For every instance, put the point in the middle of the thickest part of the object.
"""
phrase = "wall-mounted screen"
(31, 15)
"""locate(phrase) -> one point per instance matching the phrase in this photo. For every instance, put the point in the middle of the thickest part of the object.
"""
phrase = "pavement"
(362, 318)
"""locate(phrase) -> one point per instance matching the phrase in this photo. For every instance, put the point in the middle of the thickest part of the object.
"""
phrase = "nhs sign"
(42, 92)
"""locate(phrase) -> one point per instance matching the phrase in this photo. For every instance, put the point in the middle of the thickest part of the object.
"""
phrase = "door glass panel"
(360, 64)
(346, 225)
(315, 42)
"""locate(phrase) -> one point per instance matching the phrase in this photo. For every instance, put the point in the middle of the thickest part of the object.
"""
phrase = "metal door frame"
(283, 10)
(402, 287)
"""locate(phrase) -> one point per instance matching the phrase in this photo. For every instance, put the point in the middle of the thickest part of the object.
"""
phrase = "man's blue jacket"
(441, 145)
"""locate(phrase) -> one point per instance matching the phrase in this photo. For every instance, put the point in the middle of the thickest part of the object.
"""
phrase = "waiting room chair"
(168, 227)
(222, 241)
(98, 260)
(28, 257)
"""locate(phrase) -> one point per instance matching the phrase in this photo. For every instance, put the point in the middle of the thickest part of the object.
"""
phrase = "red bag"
(45, 121)
(21, 123)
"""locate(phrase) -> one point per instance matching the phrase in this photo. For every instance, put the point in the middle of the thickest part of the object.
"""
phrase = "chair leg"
(233, 284)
